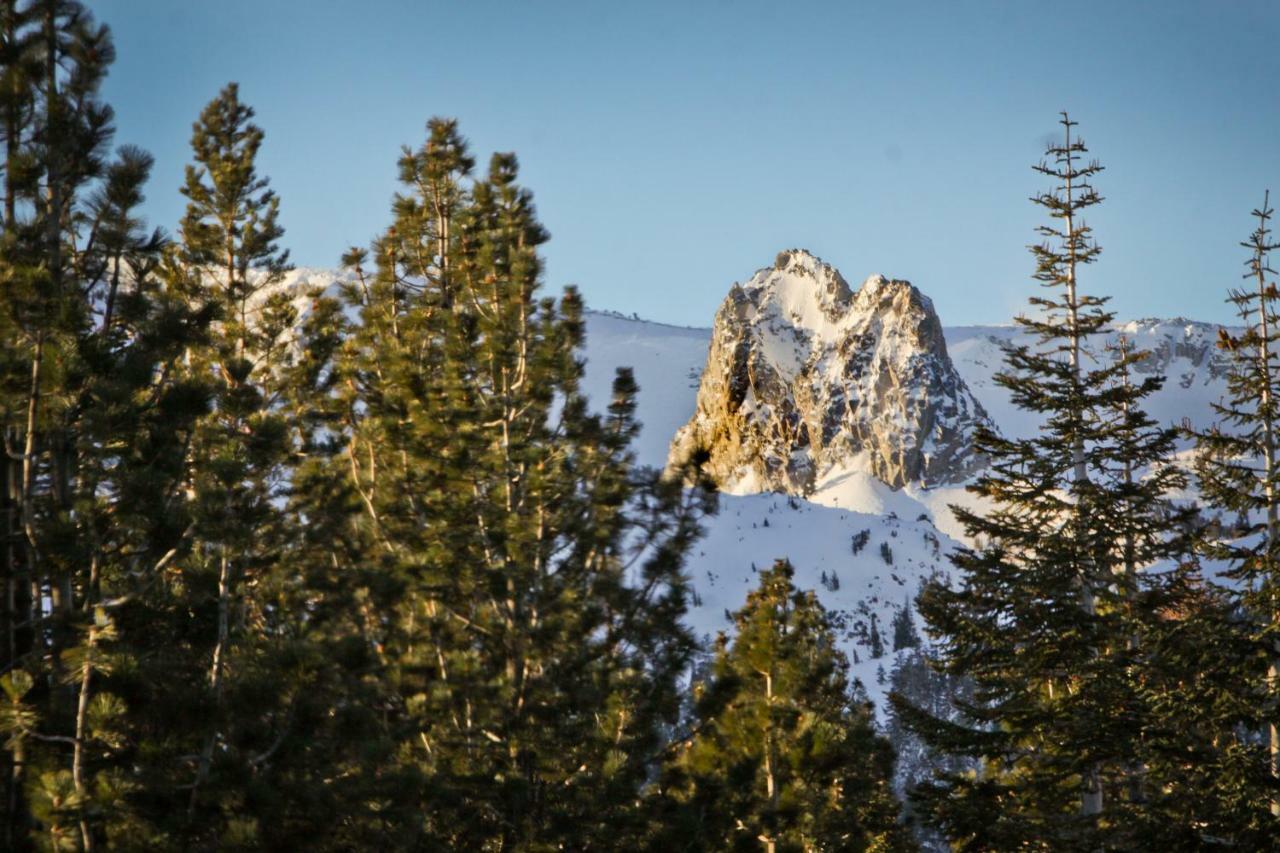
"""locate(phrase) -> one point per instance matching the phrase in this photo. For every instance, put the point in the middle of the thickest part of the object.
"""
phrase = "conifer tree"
(20, 68)
(1042, 618)
(905, 635)
(1237, 471)
(874, 641)
(524, 585)
(780, 756)
(93, 415)
(220, 701)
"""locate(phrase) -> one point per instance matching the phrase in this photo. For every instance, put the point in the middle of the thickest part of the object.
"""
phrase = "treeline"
(297, 571)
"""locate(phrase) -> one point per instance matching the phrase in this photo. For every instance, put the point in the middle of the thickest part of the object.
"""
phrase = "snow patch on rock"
(807, 380)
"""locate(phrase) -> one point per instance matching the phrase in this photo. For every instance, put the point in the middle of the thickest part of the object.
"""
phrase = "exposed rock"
(1177, 340)
(804, 376)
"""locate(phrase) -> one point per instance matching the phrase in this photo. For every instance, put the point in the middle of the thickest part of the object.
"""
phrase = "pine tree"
(20, 67)
(780, 756)
(915, 681)
(874, 641)
(222, 697)
(524, 579)
(93, 415)
(1043, 617)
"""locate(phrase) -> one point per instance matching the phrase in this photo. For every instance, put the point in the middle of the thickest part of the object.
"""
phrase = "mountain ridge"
(805, 376)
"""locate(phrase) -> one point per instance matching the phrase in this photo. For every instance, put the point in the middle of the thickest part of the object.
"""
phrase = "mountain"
(817, 531)
(862, 544)
(1183, 351)
(805, 377)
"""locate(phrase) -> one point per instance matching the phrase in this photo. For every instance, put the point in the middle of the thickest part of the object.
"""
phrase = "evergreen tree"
(915, 680)
(20, 68)
(94, 413)
(780, 756)
(217, 693)
(1237, 471)
(905, 635)
(1043, 618)
(874, 640)
(524, 583)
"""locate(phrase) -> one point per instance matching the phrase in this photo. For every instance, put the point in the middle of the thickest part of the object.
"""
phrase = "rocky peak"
(805, 376)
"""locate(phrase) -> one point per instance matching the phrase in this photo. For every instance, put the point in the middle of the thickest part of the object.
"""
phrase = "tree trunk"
(215, 675)
(53, 119)
(1091, 796)
(1268, 475)
(11, 119)
(82, 716)
(770, 784)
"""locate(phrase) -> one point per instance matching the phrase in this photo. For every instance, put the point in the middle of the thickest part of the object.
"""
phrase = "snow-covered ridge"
(855, 576)
(1183, 351)
(669, 359)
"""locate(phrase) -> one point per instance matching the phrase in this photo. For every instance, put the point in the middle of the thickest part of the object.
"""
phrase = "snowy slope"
(816, 533)
(908, 527)
(757, 529)
(1183, 351)
(896, 554)
(667, 362)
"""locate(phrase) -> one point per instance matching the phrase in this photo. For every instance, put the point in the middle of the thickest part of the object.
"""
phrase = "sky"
(674, 148)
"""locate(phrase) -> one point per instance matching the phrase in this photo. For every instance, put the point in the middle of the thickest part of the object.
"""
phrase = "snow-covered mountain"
(903, 534)
(806, 378)
(1181, 350)
(799, 329)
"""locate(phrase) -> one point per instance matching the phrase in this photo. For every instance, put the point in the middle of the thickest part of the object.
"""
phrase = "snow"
(1182, 350)
(816, 539)
(816, 533)
(804, 296)
(667, 361)
(853, 488)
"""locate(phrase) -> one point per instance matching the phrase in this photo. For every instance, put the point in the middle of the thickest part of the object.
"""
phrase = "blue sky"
(674, 148)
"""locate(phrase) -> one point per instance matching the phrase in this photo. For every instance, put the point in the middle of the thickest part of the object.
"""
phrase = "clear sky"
(674, 148)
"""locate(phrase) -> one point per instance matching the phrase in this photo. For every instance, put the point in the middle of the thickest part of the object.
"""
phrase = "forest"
(368, 572)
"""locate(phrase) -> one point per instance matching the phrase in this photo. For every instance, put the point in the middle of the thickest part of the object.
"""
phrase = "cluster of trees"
(286, 570)
(289, 571)
(1115, 696)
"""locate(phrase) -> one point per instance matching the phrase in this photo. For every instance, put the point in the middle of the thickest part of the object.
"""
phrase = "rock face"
(1183, 351)
(805, 376)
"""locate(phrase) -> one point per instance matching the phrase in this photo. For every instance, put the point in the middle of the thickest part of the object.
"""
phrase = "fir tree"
(1237, 471)
(781, 757)
(223, 698)
(1043, 617)
(905, 635)
(874, 641)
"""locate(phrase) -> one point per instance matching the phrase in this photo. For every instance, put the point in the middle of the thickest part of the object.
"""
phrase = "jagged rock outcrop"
(805, 376)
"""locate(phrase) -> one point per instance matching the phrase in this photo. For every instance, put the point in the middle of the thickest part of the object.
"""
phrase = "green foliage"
(905, 635)
(1236, 466)
(1053, 619)
(284, 571)
(780, 756)
(95, 420)
(874, 640)
(526, 578)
